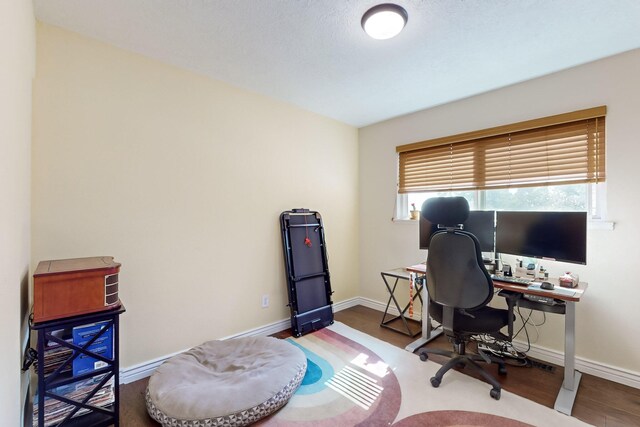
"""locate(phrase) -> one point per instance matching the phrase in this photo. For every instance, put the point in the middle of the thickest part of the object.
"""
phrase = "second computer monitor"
(560, 236)
(480, 223)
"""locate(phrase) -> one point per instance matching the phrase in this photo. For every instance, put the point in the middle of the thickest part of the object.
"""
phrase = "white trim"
(401, 208)
(145, 369)
(404, 221)
(379, 306)
(343, 305)
(618, 375)
(597, 224)
(586, 366)
(373, 304)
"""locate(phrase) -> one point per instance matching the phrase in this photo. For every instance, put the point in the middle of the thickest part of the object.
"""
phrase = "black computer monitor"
(559, 236)
(480, 224)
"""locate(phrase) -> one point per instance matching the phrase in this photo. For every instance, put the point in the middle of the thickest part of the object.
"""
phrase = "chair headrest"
(447, 211)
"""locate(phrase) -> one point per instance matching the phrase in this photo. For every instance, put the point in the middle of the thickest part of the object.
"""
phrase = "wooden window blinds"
(563, 149)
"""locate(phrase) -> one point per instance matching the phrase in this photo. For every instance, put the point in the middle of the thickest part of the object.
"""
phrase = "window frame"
(596, 190)
(596, 206)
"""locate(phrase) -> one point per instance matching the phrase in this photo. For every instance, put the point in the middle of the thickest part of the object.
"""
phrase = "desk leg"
(569, 388)
(428, 332)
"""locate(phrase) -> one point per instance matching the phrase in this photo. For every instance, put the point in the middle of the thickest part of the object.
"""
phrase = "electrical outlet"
(265, 301)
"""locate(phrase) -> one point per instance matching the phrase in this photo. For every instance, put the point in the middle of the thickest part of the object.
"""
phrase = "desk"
(570, 296)
(399, 274)
(571, 382)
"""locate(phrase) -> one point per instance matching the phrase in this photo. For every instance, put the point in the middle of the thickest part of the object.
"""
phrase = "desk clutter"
(530, 273)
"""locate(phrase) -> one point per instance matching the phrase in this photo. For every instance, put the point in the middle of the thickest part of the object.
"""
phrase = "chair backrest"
(456, 276)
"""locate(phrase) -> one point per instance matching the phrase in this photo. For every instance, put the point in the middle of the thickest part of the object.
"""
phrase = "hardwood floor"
(599, 402)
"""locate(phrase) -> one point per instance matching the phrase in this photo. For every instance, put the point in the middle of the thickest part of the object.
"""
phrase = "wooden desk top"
(564, 294)
(417, 268)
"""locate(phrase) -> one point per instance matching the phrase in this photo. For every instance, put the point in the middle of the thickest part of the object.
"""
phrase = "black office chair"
(459, 289)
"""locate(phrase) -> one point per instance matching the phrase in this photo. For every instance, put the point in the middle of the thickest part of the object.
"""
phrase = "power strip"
(541, 299)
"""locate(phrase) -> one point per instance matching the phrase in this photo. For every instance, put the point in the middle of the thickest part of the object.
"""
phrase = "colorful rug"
(354, 379)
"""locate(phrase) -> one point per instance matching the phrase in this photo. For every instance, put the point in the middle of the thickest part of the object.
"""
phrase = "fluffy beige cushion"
(230, 382)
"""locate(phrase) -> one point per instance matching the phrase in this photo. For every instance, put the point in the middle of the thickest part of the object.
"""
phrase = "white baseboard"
(379, 306)
(586, 366)
(145, 369)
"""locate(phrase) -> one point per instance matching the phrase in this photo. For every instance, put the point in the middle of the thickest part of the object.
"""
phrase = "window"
(575, 197)
(553, 163)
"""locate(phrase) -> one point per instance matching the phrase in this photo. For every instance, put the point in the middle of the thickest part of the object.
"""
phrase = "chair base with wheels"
(460, 359)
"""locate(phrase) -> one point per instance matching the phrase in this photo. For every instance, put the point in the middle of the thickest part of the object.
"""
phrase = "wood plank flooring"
(599, 402)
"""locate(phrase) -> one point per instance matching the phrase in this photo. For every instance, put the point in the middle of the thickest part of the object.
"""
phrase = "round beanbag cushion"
(232, 382)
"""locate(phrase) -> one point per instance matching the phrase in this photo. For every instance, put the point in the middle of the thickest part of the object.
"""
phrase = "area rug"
(354, 379)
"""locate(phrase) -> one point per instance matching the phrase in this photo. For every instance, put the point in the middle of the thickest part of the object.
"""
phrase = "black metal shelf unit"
(97, 416)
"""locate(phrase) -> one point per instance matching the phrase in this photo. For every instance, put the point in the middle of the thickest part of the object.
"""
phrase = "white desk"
(571, 382)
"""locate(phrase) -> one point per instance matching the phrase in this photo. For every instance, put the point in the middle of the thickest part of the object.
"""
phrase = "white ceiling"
(314, 53)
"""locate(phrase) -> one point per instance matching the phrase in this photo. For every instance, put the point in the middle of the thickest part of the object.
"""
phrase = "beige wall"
(182, 179)
(17, 56)
(608, 318)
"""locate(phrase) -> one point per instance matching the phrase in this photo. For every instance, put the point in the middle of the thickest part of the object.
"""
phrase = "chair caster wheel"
(495, 393)
(435, 382)
(424, 356)
(502, 370)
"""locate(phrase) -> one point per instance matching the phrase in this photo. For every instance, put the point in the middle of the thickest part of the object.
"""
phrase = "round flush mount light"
(384, 21)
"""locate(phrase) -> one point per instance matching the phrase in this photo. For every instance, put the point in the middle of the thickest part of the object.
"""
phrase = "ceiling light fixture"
(384, 21)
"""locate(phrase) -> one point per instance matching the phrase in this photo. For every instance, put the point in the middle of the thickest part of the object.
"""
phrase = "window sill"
(404, 220)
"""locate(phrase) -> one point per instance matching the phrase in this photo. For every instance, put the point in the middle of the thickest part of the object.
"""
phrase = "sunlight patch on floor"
(356, 386)
(379, 369)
